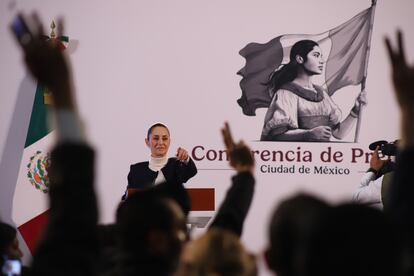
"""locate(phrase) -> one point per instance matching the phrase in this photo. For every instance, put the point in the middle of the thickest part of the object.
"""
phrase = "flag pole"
(358, 126)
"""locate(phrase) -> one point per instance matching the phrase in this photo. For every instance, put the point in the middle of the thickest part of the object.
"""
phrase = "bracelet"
(354, 113)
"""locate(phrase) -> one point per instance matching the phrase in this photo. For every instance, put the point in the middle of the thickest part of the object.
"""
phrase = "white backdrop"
(140, 62)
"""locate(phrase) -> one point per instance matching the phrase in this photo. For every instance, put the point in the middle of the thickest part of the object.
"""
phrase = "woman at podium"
(160, 168)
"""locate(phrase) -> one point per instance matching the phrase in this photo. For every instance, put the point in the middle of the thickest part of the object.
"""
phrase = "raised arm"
(403, 80)
(401, 203)
(69, 246)
(233, 211)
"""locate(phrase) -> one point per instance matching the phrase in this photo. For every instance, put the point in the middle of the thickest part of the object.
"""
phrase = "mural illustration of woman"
(301, 110)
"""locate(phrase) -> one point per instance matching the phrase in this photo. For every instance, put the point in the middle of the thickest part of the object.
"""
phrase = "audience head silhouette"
(290, 228)
(152, 230)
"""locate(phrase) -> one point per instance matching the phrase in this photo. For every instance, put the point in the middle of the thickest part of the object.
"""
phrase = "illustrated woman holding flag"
(301, 110)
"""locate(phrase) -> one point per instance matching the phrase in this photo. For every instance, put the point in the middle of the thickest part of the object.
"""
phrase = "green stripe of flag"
(38, 127)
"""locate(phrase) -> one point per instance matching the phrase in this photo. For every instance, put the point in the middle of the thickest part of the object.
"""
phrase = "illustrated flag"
(30, 202)
(346, 49)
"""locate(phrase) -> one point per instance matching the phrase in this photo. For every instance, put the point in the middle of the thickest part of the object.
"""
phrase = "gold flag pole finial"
(52, 32)
(47, 95)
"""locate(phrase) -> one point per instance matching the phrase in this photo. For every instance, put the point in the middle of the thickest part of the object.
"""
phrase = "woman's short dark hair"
(154, 126)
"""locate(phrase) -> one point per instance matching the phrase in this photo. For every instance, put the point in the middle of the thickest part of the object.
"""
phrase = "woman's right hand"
(320, 133)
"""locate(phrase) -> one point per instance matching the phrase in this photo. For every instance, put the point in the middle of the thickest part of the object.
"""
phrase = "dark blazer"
(141, 176)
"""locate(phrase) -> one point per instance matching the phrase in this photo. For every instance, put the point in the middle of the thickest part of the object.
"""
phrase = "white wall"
(139, 62)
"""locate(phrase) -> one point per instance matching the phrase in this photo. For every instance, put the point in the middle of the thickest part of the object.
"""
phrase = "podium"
(202, 206)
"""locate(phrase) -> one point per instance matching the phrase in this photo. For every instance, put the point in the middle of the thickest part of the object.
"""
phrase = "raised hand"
(240, 155)
(402, 73)
(48, 64)
(403, 79)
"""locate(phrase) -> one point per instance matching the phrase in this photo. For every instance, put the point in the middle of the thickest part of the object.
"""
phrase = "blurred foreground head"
(290, 228)
(355, 240)
(152, 230)
(9, 245)
(217, 252)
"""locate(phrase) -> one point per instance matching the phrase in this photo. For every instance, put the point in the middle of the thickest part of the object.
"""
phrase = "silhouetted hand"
(403, 79)
(240, 155)
(47, 63)
(402, 73)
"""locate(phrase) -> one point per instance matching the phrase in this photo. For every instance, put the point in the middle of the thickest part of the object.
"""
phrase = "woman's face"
(314, 62)
(159, 141)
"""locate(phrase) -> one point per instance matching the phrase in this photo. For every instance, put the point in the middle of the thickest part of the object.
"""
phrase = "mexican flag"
(345, 46)
(30, 202)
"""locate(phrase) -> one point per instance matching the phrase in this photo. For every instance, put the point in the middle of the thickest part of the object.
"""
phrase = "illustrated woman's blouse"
(295, 107)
